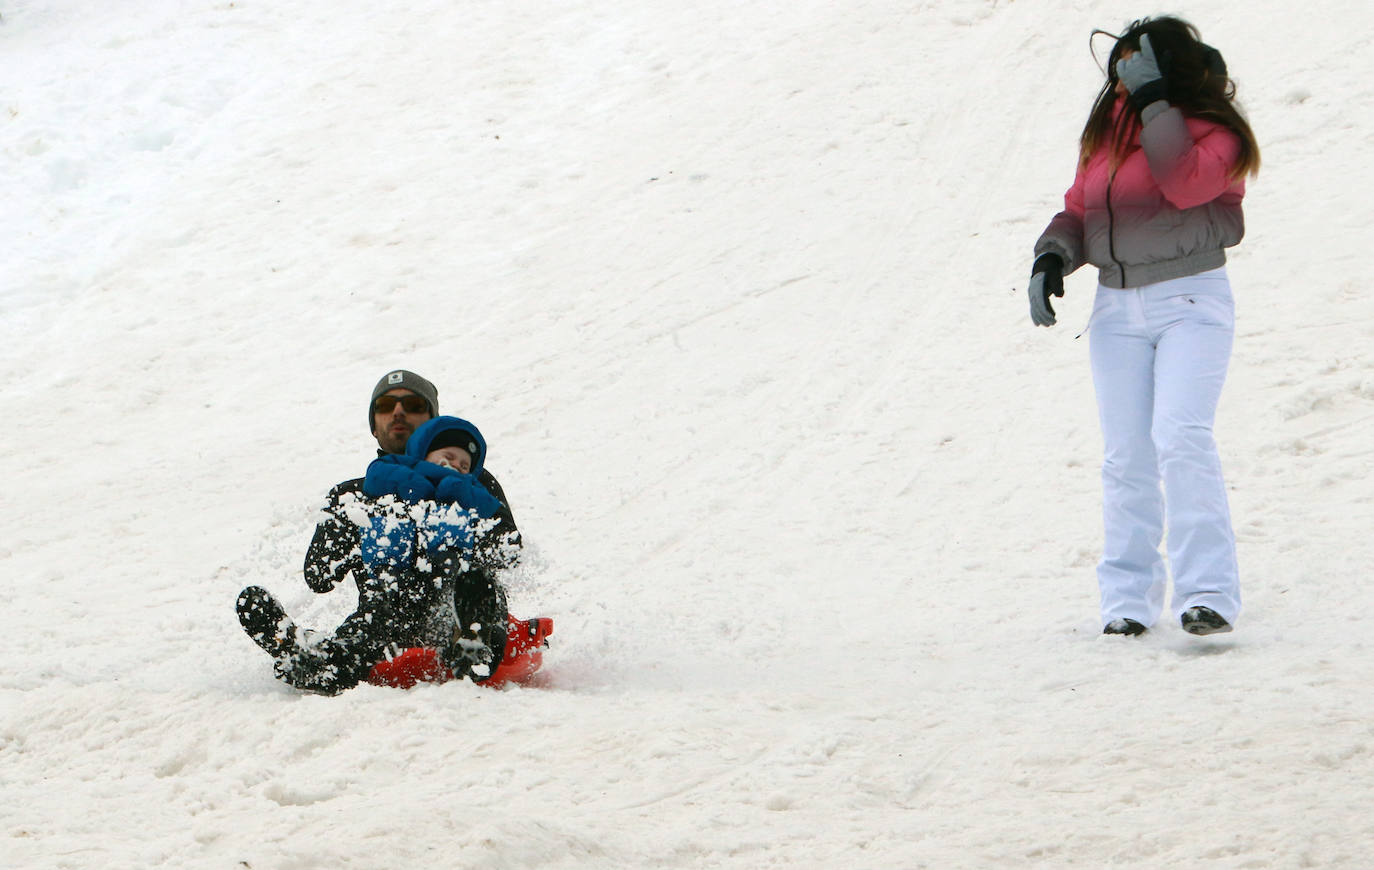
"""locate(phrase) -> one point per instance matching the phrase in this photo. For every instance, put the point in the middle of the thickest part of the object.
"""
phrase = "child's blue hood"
(417, 447)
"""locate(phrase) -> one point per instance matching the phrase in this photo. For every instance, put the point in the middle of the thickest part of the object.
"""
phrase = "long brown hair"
(1197, 84)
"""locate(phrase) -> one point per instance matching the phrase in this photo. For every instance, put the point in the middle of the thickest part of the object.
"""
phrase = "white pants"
(1159, 357)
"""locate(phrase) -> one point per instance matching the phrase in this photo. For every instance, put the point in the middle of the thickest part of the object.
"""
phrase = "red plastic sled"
(525, 642)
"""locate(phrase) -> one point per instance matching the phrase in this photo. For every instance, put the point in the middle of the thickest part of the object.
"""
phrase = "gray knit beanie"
(406, 380)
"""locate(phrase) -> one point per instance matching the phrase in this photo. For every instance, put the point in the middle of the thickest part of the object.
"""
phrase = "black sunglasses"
(411, 404)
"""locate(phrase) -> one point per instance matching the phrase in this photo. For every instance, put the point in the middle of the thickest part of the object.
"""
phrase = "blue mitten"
(388, 543)
(446, 537)
(464, 491)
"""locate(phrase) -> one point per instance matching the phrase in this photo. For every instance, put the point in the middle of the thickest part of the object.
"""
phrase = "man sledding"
(423, 537)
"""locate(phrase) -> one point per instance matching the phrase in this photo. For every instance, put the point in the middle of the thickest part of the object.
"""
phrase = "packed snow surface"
(736, 292)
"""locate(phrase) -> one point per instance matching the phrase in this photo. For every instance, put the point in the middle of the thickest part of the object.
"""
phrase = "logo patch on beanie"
(395, 377)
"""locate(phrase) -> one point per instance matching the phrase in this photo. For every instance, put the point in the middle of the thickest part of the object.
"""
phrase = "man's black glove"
(1047, 277)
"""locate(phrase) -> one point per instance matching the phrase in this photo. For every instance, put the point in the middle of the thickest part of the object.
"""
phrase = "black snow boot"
(1127, 627)
(479, 639)
(263, 618)
(1203, 620)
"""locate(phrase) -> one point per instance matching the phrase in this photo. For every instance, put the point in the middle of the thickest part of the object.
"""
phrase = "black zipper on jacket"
(1111, 229)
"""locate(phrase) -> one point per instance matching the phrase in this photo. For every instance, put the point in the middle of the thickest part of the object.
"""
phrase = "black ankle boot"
(1124, 626)
(1203, 620)
(263, 618)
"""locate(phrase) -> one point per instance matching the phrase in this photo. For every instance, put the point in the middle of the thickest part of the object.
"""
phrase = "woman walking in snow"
(1156, 200)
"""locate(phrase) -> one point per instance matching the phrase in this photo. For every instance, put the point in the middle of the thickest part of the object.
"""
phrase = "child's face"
(451, 457)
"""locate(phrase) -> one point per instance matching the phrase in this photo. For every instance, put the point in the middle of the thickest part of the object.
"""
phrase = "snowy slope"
(736, 293)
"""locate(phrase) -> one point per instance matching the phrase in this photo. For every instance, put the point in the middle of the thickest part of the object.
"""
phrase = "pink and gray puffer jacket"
(1168, 211)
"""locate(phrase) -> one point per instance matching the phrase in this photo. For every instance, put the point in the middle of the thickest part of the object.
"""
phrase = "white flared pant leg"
(1131, 575)
(1159, 359)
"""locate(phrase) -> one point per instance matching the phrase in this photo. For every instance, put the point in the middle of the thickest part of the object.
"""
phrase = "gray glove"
(1047, 277)
(1142, 76)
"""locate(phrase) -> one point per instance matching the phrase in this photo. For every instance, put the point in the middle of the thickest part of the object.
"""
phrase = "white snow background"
(736, 292)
